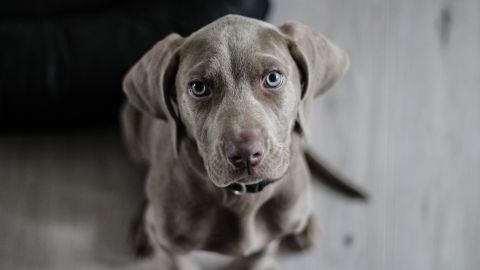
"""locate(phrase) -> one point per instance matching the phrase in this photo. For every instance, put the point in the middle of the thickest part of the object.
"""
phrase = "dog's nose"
(245, 153)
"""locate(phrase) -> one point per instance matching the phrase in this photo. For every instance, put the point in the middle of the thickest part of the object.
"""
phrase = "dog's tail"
(331, 178)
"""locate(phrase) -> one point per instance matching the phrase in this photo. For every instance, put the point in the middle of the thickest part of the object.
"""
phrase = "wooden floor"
(404, 123)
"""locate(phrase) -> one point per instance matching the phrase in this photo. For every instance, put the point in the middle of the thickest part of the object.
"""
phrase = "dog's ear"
(150, 84)
(320, 62)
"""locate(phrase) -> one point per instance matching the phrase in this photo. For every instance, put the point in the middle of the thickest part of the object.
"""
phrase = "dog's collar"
(240, 189)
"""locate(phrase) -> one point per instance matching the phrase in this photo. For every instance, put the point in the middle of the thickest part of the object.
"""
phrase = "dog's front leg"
(262, 260)
(165, 257)
(301, 241)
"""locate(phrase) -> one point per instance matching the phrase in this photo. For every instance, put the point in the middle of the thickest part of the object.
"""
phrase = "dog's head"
(239, 88)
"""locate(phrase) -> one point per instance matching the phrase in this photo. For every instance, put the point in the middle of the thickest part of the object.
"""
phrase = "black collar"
(239, 189)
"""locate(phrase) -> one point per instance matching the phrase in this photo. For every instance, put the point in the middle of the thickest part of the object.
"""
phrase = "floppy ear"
(150, 84)
(320, 62)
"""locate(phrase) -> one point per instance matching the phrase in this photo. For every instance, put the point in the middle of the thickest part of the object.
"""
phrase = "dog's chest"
(247, 231)
(239, 225)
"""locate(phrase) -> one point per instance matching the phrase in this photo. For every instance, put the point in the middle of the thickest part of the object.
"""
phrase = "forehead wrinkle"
(267, 55)
(270, 60)
(199, 70)
(198, 66)
(204, 69)
(205, 50)
(207, 61)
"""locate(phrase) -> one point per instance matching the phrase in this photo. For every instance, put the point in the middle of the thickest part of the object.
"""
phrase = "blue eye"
(273, 79)
(199, 89)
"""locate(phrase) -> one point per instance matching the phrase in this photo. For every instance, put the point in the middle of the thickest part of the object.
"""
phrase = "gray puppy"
(220, 117)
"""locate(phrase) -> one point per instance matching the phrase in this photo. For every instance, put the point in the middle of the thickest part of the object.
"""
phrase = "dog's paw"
(302, 241)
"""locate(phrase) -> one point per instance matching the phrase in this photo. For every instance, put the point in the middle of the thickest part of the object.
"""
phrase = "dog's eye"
(273, 79)
(199, 89)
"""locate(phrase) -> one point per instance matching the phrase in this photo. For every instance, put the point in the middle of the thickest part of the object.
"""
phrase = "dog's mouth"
(247, 174)
(240, 188)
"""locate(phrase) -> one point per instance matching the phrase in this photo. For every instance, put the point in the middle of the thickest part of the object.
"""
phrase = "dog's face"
(238, 92)
(237, 87)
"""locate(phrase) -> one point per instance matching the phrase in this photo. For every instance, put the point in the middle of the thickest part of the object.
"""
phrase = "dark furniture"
(62, 62)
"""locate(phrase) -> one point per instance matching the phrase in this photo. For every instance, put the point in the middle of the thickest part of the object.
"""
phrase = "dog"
(221, 118)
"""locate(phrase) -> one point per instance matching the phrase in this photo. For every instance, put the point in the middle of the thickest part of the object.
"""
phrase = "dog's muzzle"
(240, 189)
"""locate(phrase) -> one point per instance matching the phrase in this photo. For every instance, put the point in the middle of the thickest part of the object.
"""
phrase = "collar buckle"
(238, 189)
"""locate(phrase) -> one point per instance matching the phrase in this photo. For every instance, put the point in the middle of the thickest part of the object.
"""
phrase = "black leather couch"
(62, 62)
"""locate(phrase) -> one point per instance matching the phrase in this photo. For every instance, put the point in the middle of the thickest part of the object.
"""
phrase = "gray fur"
(182, 138)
